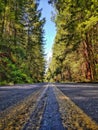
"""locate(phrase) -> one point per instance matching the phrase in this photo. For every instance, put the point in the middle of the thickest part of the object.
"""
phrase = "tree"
(77, 26)
(21, 42)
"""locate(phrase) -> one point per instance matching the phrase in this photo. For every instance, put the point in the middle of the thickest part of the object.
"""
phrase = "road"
(49, 106)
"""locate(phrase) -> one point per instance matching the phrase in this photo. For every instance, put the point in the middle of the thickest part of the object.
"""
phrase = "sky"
(49, 27)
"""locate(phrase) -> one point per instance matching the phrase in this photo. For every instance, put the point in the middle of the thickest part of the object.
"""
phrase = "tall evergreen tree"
(21, 42)
(77, 32)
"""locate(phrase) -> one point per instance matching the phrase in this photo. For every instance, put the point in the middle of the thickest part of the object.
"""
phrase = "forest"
(75, 48)
(21, 42)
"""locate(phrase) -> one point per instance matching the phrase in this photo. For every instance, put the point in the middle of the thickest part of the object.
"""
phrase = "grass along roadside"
(73, 118)
(15, 117)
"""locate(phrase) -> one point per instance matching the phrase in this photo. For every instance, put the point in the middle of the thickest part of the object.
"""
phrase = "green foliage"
(76, 43)
(13, 74)
(21, 42)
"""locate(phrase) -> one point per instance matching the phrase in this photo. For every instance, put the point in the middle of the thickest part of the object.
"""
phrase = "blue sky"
(49, 27)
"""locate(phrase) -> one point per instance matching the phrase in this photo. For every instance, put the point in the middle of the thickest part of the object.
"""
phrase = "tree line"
(75, 49)
(21, 42)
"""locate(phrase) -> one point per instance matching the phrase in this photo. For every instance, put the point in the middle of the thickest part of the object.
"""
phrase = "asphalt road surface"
(48, 106)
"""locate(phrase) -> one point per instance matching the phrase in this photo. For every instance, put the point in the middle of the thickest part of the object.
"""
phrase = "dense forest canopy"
(21, 42)
(75, 50)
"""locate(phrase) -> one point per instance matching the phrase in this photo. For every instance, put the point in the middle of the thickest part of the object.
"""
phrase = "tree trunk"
(89, 57)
